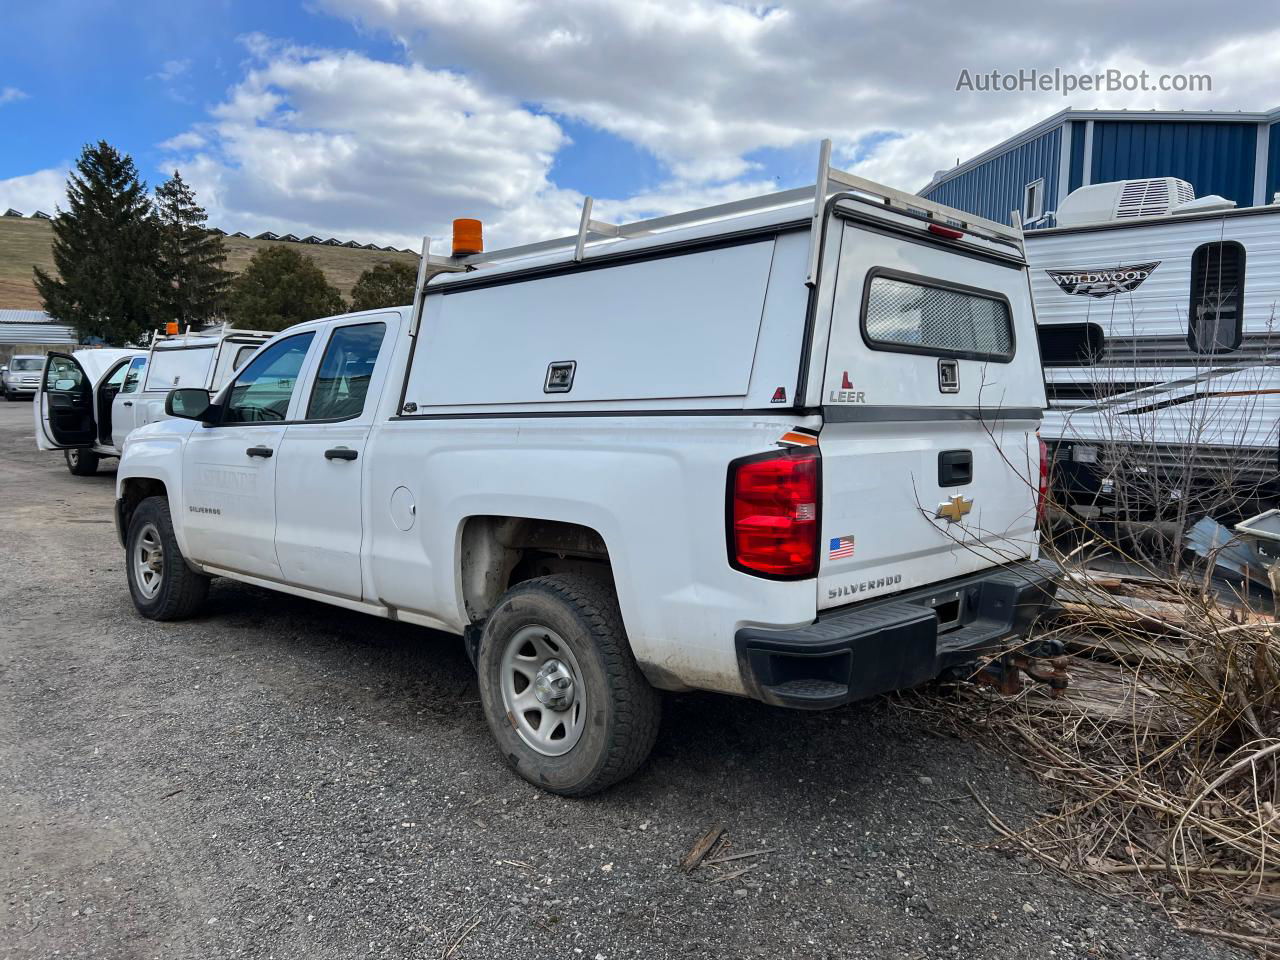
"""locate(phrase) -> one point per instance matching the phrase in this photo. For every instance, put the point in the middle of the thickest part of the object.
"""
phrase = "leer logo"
(846, 393)
(1103, 282)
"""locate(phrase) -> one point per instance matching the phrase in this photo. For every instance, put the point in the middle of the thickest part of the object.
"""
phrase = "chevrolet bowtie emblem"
(954, 509)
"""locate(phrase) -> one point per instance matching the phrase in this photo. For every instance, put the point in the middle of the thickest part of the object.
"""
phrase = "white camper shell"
(1158, 334)
(782, 448)
(87, 409)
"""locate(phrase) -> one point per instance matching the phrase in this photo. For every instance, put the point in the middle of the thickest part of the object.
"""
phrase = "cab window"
(134, 376)
(262, 391)
(116, 380)
(342, 382)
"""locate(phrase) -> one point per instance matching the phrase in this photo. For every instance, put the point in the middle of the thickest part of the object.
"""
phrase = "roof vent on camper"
(1123, 200)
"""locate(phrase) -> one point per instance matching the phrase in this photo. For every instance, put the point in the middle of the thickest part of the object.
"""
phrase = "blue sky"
(383, 119)
(136, 73)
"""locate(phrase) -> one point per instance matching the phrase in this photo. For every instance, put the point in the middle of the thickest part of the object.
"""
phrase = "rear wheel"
(561, 690)
(82, 463)
(163, 587)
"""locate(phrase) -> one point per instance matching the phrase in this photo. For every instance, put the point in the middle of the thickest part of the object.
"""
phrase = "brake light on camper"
(1042, 494)
(951, 233)
(773, 514)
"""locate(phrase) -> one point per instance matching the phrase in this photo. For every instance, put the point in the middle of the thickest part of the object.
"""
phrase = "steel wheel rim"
(148, 561)
(73, 457)
(549, 730)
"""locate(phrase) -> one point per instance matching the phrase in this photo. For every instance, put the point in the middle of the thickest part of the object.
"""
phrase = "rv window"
(1033, 201)
(1069, 344)
(1216, 324)
(909, 314)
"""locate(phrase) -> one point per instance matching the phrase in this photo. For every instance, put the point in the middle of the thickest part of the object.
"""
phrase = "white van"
(783, 448)
(87, 411)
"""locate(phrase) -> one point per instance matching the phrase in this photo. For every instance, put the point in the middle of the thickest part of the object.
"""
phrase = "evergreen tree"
(384, 285)
(194, 285)
(279, 288)
(105, 250)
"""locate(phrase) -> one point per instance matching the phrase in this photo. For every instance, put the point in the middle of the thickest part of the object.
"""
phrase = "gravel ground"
(280, 778)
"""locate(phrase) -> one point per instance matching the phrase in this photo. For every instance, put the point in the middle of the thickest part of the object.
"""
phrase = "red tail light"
(773, 514)
(951, 233)
(1043, 494)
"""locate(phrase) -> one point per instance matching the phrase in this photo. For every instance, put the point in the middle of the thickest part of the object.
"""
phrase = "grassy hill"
(27, 243)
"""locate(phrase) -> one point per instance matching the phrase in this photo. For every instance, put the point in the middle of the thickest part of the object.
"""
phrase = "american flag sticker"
(841, 548)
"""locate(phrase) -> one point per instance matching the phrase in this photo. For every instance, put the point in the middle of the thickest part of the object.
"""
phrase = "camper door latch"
(949, 376)
(559, 376)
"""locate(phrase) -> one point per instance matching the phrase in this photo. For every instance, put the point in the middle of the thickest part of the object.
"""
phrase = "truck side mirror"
(189, 403)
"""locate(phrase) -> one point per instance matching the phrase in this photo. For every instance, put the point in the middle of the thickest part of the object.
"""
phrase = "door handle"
(264, 452)
(127, 403)
(340, 453)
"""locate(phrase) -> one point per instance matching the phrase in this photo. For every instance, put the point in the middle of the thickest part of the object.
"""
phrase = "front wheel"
(163, 587)
(82, 463)
(561, 690)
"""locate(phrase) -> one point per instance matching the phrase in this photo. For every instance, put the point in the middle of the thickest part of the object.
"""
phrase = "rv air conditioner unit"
(1123, 200)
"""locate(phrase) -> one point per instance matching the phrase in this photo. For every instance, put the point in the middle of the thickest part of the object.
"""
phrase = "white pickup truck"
(782, 448)
(86, 409)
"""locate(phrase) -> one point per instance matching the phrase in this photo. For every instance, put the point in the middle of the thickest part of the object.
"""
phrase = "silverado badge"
(954, 509)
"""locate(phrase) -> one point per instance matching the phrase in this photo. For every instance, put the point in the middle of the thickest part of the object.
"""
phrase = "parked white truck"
(782, 448)
(87, 411)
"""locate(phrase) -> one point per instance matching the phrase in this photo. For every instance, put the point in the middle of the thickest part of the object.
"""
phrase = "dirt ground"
(279, 778)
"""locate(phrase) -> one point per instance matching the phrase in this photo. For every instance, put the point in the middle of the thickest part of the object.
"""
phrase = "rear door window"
(134, 376)
(905, 313)
(342, 382)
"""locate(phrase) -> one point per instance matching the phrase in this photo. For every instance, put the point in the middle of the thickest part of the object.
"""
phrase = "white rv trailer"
(1157, 319)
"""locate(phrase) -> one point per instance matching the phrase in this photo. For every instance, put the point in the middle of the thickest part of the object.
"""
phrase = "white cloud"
(337, 143)
(171, 70)
(42, 190)
(11, 95)
(703, 83)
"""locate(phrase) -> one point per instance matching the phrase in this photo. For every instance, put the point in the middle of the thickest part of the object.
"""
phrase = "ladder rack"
(830, 181)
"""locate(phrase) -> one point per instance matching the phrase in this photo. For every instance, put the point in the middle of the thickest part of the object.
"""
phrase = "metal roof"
(25, 316)
(1063, 116)
(33, 326)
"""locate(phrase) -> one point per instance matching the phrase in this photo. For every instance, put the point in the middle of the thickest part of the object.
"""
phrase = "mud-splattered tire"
(82, 463)
(565, 626)
(163, 587)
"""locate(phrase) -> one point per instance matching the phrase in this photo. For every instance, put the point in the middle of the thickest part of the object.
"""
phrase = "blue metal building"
(1235, 155)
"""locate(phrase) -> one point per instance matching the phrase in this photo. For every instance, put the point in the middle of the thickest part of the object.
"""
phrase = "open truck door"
(64, 407)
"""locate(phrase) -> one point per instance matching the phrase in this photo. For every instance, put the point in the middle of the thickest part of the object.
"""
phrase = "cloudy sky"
(384, 119)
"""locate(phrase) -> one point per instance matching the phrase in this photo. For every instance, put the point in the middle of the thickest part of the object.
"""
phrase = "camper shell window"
(1216, 322)
(905, 313)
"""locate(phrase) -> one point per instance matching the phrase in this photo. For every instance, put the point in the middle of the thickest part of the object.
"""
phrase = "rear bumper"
(895, 643)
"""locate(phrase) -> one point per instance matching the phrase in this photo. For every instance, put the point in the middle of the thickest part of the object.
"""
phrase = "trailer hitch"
(1042, 661)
